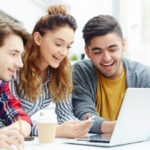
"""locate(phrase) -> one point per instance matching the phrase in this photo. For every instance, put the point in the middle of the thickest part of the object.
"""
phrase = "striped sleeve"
(64, 111)
(34, 131)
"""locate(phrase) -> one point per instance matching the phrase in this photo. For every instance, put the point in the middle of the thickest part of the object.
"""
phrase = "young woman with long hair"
(47, 72)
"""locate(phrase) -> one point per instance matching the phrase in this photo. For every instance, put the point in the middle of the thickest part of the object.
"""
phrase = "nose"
(64, 52)
(106, 56)
(19, 63)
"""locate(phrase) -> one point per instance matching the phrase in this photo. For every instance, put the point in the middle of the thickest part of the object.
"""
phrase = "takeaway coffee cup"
(47, 128)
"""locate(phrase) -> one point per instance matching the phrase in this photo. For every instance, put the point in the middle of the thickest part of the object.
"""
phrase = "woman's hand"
(73, 129)
(10, 137)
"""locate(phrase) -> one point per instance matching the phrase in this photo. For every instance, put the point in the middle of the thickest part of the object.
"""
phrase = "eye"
(13, 54)
(68, 47)
(113, 50)
(96, 53)
(58, 44)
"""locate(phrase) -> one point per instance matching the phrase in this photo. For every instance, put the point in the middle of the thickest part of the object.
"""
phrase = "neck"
(43, 69)
(118, 74)
(43, 74)
(42, 65)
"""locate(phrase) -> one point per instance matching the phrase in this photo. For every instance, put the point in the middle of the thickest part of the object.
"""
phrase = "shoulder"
(84, 66)
(5, 90)
(83, 63)
(3, 84)
(84, 70)
(134, 66)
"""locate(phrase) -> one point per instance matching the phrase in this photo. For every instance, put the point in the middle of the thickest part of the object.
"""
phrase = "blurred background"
(133, 16)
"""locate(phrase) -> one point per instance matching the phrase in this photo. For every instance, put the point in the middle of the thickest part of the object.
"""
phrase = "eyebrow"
(64, 40)
(114, 45)
(16, 51)
(98, 48)
(60, 39)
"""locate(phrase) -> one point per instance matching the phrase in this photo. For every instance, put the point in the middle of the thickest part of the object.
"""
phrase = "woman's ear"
(37, 38)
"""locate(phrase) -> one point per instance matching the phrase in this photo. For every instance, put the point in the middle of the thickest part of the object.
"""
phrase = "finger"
(17, 145)
(8, 141)
(83, 133)
(4, 145)
(82, 128)
(87, 116)
(15, 142)
(85, 123)
(14, 133)
(73, 121)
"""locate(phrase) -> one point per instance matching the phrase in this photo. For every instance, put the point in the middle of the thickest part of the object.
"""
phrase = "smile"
(57, 58)
(106, 65)
(12, 71)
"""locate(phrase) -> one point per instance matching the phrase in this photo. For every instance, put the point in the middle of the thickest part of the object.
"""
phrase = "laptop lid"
(133, 123)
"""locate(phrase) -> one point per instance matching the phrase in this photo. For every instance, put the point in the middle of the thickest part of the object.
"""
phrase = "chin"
(8, 79)
(55, 66)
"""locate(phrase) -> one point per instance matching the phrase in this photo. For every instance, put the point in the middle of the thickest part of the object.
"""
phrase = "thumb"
(87, 116)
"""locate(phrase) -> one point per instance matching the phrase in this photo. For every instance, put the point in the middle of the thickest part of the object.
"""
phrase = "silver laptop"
(133, 123)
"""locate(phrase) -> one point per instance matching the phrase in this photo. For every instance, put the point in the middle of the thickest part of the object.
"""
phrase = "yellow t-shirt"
(109, 96)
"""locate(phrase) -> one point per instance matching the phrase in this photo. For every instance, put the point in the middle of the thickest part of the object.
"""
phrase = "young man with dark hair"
(101, 82)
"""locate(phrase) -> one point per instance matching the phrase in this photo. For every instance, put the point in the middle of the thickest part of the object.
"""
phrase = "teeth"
(57, 57)
(107, 64)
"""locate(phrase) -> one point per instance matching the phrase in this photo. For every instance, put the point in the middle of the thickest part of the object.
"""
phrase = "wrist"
(59, 131)
(107, 126)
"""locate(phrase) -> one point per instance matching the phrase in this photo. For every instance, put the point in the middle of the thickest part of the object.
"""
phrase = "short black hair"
(101, 25)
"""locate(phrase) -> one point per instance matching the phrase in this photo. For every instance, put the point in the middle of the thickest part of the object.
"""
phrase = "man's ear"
(124, 44)
(86, 51)
(37, 38)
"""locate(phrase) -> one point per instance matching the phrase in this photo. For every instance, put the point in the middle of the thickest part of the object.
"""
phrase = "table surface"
(60, 145)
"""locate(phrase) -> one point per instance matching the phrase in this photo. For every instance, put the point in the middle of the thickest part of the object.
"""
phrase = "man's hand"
(26, 127)
(10, 137)
(107, 126)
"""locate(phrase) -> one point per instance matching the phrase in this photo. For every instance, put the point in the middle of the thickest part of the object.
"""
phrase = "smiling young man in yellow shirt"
(100, 83)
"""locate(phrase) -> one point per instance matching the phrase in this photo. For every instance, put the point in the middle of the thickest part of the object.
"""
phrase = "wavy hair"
(60, 85)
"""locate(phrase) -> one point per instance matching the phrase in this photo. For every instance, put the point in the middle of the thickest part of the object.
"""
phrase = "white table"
(60, 145)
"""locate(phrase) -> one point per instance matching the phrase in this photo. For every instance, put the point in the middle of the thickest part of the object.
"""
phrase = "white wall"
(83, 10)
(24, 11)
(129, 13)
(28, 12)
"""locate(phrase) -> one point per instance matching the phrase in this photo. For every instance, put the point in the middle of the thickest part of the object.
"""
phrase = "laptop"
(133, 123)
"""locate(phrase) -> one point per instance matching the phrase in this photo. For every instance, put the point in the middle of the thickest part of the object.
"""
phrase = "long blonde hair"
(60, 86)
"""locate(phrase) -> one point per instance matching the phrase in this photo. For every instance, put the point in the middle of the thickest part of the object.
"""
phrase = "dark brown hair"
(101, 25)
